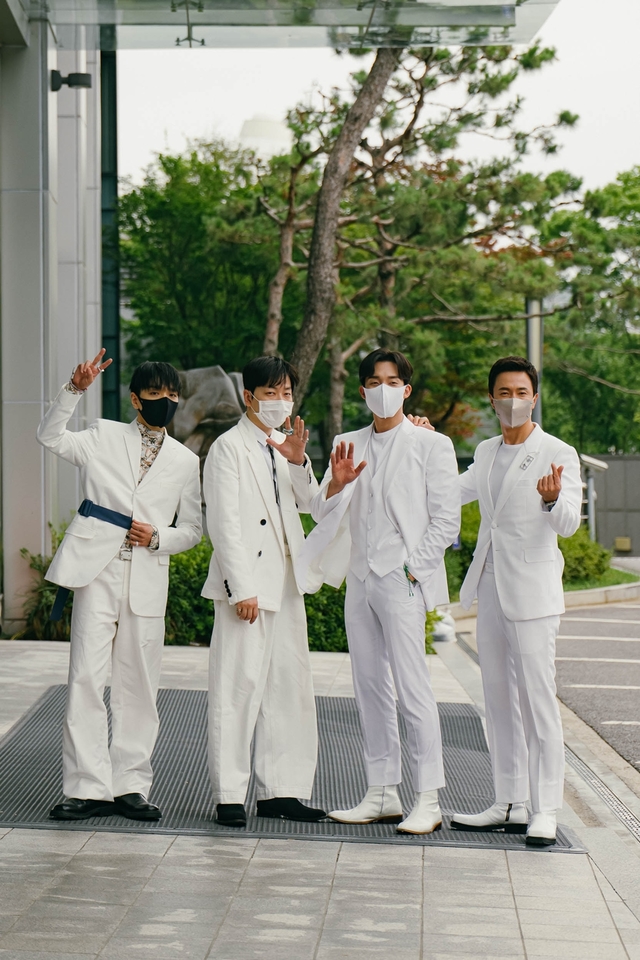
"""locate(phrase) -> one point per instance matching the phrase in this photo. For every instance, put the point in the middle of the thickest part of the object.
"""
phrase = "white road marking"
(600, 686)
(595, 620)
(617, 639)
(621, 723)
(597, 660)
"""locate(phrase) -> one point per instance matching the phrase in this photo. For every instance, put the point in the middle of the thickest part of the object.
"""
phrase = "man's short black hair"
(513, 365)
(154, 375)
(268, 372)
(368, 365)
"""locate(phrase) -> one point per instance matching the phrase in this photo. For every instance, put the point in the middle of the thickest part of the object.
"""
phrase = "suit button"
(494, 526)
(259, 553)
(262, 523)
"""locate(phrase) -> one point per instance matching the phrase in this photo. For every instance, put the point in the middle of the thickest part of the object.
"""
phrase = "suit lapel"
(485, 486)
(519, 467)
(165, 456)
(260, 469)
(396, 454)
(133, 443)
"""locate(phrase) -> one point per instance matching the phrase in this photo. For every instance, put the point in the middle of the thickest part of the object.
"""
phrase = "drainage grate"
(599, 787)
(31, 775)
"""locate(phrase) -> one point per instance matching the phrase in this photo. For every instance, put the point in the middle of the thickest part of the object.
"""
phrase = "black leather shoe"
(288, 808)
(75, 809)
(136, 807)
(231, 815)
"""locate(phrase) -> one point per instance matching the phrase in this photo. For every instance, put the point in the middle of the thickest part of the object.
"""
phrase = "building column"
(28, 281)
(50, 242)
(79, 246)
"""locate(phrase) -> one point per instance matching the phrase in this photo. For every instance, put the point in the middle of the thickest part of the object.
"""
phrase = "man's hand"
(248, 609)
(343, 470)
(86, 373)
(292, 449)
(549, 487)
(420, 421)
(140, 534)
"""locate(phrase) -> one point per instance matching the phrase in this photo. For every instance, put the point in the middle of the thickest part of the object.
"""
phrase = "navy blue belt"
(89, 509)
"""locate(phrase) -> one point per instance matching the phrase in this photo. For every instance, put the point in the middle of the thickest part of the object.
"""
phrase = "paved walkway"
(88, 895)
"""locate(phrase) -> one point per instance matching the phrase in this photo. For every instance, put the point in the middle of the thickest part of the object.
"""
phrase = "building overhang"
(343, 24)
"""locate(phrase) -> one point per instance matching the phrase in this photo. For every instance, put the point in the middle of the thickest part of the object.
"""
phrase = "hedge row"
(189, 617)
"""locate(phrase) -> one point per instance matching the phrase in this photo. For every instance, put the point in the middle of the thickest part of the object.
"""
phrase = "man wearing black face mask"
(115, 557)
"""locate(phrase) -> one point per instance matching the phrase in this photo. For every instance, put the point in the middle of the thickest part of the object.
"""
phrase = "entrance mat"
(31, 776)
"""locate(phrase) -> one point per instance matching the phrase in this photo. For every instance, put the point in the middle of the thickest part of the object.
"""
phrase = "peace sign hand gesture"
(549, 487)
(86, 373)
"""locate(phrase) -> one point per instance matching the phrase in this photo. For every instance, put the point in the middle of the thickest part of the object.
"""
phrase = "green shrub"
(325, 621)
(457, 562)
(40, 597)
(189, 616)
(584, 559)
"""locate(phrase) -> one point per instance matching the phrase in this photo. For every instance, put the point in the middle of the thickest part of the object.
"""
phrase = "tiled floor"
(85, 895)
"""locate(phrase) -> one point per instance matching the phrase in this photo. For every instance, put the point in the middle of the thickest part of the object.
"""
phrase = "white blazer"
(243, 517)
(108, 454)
(420, 496)
(523, 532)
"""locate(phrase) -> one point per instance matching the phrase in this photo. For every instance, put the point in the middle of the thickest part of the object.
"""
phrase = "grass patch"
(610, 578)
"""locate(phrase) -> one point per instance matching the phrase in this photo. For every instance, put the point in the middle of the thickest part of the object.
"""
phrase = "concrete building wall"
(49, 282)
(618, 503)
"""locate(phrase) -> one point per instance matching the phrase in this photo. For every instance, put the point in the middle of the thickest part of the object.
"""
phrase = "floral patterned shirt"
(152, 441)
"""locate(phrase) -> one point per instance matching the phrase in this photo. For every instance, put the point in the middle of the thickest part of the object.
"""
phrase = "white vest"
(376, 542)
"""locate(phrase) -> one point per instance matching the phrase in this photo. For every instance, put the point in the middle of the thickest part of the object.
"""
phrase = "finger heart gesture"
(549, 487)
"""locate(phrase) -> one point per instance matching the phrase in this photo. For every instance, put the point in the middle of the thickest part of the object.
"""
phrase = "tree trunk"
(338, 377)
(320, 278)
(277, 288)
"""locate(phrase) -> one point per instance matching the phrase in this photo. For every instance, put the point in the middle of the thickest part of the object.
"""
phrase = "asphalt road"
(598, 672)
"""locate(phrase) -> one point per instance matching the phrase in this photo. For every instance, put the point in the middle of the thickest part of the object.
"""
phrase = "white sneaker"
(542, 830)
(380, 805)
(510, 817)
(426, 815)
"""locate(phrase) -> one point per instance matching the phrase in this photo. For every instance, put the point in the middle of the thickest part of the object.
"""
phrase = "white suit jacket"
(420, 496)
(243, 518)
(108, 454)
(522, 531)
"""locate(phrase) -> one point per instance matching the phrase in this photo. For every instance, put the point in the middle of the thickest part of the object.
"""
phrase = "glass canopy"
(346, 24)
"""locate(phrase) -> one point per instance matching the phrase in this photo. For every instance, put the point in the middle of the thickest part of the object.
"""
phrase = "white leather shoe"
(380, 805)
(542, 830)
(426, 815)
(510, 817)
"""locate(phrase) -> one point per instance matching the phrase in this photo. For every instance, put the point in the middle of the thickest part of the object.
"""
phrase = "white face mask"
(513, 412)
(273, 413)
(384, 401)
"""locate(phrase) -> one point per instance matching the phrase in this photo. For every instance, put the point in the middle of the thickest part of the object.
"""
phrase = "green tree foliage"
(197, 258)
(593, 347)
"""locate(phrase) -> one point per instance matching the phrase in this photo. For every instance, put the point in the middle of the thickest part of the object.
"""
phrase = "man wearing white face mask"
(256, 482)
(386, 524)
(529, 489)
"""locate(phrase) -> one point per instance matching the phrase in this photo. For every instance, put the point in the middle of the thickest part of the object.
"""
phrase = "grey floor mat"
(31, 776)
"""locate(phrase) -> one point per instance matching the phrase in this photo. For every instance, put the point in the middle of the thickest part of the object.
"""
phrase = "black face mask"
(158, 413)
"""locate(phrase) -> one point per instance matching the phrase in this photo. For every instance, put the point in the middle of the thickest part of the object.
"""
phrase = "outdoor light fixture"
(73, 80)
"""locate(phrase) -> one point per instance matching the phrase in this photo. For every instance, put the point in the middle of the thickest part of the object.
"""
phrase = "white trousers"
(104, 633)
(261, 688)
(385, 620)
(517, 659)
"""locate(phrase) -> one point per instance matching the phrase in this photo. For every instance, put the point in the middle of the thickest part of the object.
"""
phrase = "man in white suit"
(256, 482)
(529, 490)
(142, 504)
(386, 524)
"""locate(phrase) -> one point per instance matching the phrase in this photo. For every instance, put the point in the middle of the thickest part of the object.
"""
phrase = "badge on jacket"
(527, 462)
